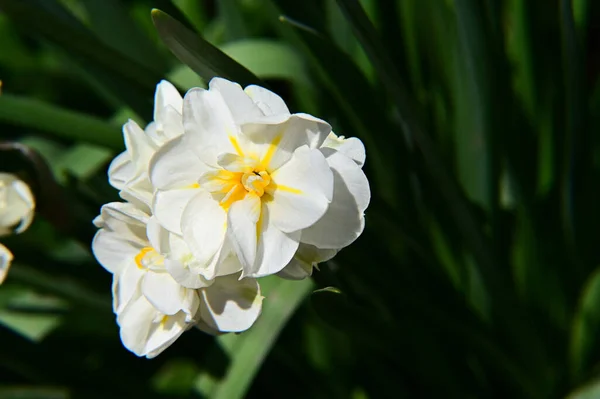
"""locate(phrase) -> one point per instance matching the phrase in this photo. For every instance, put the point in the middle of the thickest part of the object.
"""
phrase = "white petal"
(17, 205)
(169, 126)
(166, 96)
(307, 257)
(275, 139)
(175, 166)
(139, 146)
(135, 321)
(185, 275)
(113, 251)
(275, 248)
(302, 190)
(125, 219)
(163, 334)
(240, 104)
(120, 170)
(163, 292)
(158, 236)
(6, 258)
(351, 147)
(241, 228)
(208, 124)
(169, 205)
(269, 102)
(204, 224)
(126, 285)
(231, 305)
(344, 220)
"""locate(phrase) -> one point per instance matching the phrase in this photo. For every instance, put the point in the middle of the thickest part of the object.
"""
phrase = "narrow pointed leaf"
(204, 58)
(57, 121)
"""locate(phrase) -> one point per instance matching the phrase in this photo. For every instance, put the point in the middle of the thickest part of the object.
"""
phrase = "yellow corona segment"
(147, 257)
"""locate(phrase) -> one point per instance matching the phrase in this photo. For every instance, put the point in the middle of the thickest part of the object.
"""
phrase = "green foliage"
(477, 275)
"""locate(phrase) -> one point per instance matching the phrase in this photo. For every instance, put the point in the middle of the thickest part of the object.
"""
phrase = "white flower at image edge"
(249, 177)
(17, 208)
(129, 171)
(153, 308)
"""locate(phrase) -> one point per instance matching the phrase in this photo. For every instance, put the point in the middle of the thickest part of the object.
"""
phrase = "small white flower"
(17, 205)
(154, 283)
(6, 258)
(17, 208)
(129, 171)
(249, 177)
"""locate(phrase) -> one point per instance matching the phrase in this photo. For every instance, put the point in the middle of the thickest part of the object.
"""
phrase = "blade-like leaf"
(79, 42)
(204, 58)
(60, 122)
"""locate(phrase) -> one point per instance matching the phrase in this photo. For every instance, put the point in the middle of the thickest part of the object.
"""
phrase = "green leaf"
(463, 217)
(110, 20)
(78, 40)
(60, 122)
(84, 160)
(37, 392)
(473, 123)
(585, 328)
(268, 59)
(248, 350)
(31, 315)
(588, 391)
(201, 56)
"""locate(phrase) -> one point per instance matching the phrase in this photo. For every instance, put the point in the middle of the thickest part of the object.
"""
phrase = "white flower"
(17, 208)
(129, 171)
(17, 205)
(154, 283)
(249, 177)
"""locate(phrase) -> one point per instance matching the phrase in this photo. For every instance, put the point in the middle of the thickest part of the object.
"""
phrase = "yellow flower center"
(234, 186)
(256, 182)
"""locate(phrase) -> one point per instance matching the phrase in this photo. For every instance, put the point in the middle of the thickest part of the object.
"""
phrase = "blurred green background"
(477, 275)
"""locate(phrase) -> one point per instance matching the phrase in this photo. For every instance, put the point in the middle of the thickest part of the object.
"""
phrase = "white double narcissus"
(246, 176)
(129, 171)
(153, 309)
(17, 208)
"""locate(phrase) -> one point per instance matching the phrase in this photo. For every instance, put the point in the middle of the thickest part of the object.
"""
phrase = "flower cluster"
(17, 207)
(225, 186)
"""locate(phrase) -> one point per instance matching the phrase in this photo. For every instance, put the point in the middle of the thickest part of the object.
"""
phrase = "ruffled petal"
(175, 166)
(274, 139)
(240, 105)
(275, 248)
(6, 258)
(351, 147)
(301, 190)
(169, 205)
(231, 305)
(241, 228)
(204, 224)
(163, 292)
(208, 125)
(304, 260)
(344, 220)
(268, 102)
